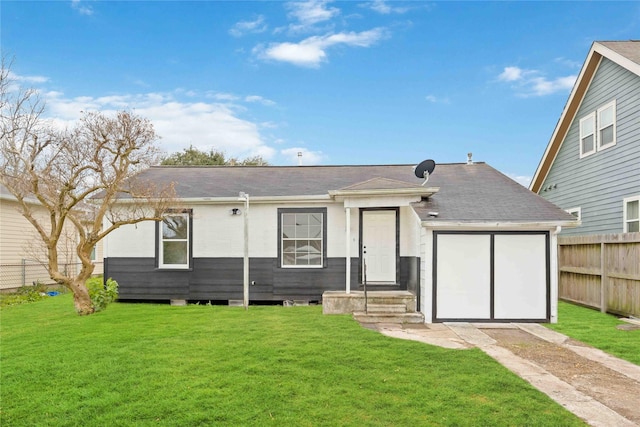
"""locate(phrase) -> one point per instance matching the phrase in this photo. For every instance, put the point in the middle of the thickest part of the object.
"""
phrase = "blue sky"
(352, 82)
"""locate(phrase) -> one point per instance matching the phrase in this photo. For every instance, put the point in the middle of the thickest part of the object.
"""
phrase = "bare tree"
(84, 177)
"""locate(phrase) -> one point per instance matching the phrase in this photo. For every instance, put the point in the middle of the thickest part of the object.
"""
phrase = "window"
(577, 212)
(174, 248)
(607, 126)
(587, 135)
(598, 130)
(302, 237)
(92, 257)
(631, 211)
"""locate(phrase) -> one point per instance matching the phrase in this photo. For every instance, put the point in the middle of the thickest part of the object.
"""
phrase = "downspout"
(555, 278)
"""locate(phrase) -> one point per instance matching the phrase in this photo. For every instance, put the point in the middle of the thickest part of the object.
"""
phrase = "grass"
(147, 364)
(598, 330)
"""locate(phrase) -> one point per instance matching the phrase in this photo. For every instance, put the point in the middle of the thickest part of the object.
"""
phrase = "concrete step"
(388, 317)
(386, 308)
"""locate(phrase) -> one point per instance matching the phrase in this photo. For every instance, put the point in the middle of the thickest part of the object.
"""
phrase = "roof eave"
(511, 225)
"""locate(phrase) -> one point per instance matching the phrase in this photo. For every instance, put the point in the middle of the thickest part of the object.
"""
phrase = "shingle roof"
(469, 193)
(629, 49)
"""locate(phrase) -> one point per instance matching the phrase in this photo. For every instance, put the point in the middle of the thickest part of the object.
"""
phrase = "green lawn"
(146, 364)
(598, 330)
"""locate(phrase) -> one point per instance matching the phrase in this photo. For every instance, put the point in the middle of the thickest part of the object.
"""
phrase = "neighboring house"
(470, 243)
(22, 255)
(591, 167)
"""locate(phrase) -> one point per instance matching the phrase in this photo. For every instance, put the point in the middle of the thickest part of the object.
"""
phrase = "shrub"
(24, 294)
(102, 294)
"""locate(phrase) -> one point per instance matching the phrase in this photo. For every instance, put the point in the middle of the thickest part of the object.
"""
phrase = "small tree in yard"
(78, 175)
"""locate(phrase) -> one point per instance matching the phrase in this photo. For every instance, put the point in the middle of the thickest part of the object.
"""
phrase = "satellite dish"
(424, 169)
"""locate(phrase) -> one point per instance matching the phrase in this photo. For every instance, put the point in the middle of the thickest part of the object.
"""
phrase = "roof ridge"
(299, 166)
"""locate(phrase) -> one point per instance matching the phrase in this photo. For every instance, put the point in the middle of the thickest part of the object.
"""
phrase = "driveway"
(597, 387)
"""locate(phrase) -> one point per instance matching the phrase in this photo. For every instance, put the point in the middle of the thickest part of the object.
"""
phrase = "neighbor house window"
(577, 212)
(598, 130)
(174, 240)
(607, 126)
(302, 237)
(631, 211)
(92, 256)
(587, 135)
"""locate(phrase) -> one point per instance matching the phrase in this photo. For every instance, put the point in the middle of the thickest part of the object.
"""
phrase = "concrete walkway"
(467, 335)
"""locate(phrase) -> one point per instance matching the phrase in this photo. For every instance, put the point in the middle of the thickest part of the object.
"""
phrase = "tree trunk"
(81, 298)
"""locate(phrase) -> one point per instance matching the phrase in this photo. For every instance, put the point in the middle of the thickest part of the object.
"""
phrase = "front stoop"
(381, 307)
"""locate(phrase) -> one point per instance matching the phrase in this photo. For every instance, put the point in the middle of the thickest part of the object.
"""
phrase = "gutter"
(234, 200)
(497, 224)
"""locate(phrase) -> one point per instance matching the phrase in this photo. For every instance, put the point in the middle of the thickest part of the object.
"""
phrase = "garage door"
(491, 276)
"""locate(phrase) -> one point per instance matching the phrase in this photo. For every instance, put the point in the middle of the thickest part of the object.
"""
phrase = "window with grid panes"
(302, 239)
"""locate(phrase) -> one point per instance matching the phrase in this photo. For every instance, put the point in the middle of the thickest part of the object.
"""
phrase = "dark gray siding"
(598, 183)
(222, 279)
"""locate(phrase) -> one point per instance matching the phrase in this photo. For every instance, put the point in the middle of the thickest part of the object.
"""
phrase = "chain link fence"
(28, 272)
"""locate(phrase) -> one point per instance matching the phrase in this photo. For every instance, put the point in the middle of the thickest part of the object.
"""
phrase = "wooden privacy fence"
(601, 271)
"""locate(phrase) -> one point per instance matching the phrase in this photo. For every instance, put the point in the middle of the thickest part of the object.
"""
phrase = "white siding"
(426, 274)
(132, 241)
(218, 234)
(409, 232)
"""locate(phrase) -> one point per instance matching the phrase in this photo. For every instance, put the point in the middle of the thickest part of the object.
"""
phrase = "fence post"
(604, 280)
(24, 271)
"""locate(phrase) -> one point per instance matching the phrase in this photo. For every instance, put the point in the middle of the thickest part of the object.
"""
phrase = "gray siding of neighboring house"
(598, 183)
(221, 279)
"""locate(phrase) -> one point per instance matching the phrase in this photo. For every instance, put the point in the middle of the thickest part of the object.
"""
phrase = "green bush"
(102, 294)
(24, 295)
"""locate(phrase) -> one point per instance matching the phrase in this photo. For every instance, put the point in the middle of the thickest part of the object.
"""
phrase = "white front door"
(379, 245)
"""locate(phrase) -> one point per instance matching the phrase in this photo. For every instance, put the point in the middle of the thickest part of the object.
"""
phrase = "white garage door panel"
(463, 277)
(520, 278)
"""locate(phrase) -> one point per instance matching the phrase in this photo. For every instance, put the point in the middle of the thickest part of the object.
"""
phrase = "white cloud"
(27, 79)
(437, 100)
(259, 99)
(383, 8)
(221, 96)
(81, 8)
(311, 12)
(531, 83)
(540, 86)
(311, 52)
(568, 62)
(520, 179)
(245, 27)
(309, 157)
(180, 124)
(511, 74)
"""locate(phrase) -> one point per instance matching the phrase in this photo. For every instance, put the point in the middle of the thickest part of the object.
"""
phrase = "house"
(21, 249)
(591, 166)
(468, 244)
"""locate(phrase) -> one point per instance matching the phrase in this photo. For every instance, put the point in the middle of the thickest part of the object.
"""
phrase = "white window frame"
(161, 240)
(577, 212)
(592, 118)
(626, 220)
(93, 254)
(322, 238)
(599, 127)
